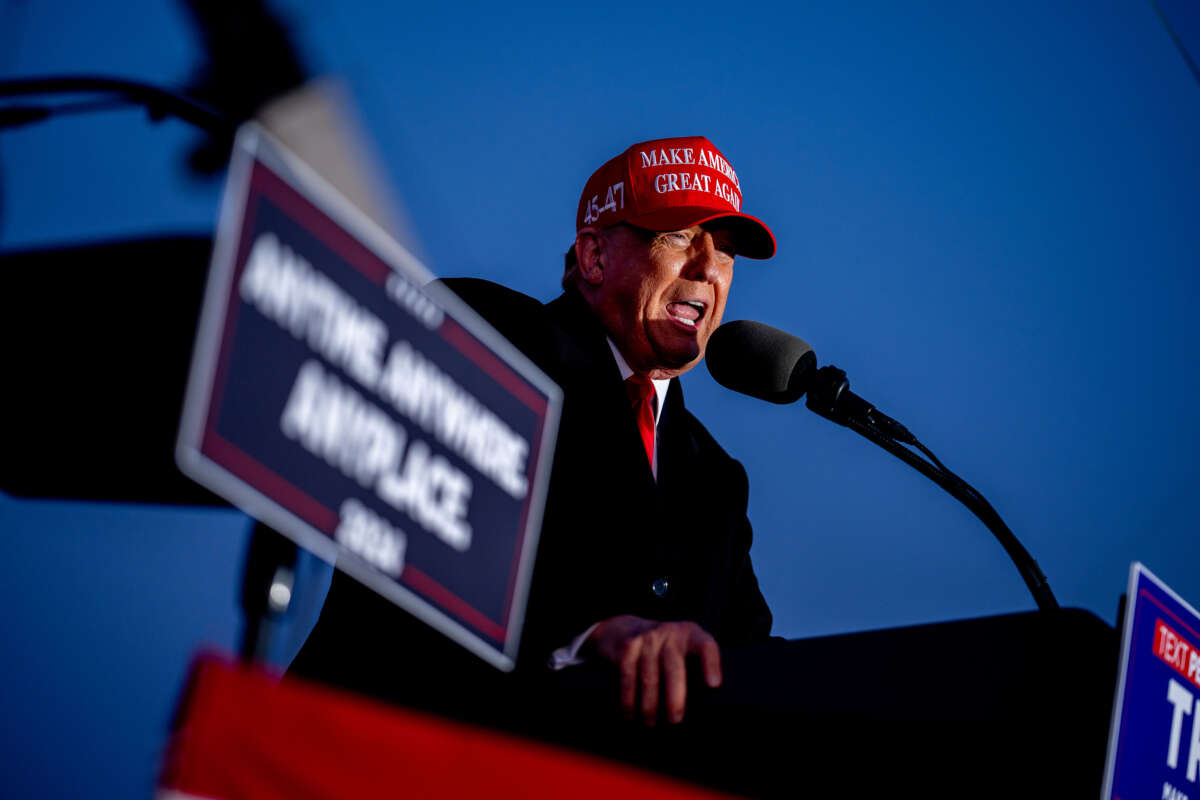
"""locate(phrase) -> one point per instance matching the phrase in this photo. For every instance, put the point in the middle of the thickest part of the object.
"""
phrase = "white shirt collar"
(660, 386)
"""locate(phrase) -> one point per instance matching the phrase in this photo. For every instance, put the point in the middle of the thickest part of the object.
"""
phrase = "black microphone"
(773, 365)
(761, 361)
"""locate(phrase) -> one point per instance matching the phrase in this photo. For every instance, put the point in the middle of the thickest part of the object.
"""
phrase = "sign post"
(371, 417)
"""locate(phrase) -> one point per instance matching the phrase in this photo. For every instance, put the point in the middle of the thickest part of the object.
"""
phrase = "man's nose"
(706, 261)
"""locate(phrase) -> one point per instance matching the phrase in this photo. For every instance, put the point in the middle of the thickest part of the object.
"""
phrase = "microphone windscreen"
(761, 361)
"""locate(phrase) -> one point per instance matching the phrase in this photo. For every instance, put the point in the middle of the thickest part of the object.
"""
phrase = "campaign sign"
(1154, 741)
(372, 418)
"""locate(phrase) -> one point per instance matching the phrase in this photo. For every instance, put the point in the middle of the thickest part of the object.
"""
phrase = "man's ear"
(589, 246)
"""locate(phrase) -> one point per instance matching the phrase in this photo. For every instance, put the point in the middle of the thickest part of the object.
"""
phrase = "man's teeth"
(686, 311)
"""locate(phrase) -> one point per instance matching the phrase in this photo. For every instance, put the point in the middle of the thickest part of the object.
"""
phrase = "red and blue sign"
(367, 414)
(1154, 744)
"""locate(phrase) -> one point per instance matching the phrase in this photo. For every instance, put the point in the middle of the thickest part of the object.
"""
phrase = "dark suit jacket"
(609, 531)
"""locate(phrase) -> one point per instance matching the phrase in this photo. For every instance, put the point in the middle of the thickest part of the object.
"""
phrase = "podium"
(1007, 706)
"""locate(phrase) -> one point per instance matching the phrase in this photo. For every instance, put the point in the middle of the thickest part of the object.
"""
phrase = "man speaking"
(643, 559)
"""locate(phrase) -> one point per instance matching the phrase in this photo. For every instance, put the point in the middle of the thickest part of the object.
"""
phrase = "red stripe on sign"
(316, 222)
(535, 453)
(243, 733)
(1177, 652)
(262, 478)
(232, 304)
(451, 602)
(1178, 621)
(470, 347)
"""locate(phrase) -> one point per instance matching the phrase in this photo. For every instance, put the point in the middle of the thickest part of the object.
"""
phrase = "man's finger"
(710, 656)
(674, 677)
(629, 676)
(648, 665)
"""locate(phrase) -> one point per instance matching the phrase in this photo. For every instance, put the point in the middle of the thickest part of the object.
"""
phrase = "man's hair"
(570, 268)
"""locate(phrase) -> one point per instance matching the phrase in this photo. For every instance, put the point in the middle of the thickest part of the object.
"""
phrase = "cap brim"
(751, 237)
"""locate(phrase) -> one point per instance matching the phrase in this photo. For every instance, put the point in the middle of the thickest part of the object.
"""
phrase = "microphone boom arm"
(157, 101)
(829, 396)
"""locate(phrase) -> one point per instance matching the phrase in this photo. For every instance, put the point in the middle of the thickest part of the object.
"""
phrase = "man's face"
(661, 295)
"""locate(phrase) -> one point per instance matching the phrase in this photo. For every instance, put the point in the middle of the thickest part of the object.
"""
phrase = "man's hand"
(652, 657)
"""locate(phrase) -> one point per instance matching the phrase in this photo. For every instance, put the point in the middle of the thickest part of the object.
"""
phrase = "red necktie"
(641, 396)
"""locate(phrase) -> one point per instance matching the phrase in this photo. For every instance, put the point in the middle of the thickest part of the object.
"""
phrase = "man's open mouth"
(687, 312)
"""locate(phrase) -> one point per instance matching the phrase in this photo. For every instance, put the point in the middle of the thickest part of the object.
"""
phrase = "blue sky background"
(987, 214)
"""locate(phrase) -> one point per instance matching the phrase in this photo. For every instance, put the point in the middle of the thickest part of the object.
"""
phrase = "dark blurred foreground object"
(97, 341)
(250, 60)
(97, 344)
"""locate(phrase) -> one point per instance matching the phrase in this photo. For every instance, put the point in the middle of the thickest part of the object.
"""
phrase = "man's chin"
(676, 362)
(675, 351)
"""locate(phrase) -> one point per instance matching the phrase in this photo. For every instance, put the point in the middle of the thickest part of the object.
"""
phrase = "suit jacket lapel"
(594, 374)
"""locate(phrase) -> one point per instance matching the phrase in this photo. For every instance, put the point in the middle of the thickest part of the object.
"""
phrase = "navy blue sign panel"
(372, 418)
(1154, 741)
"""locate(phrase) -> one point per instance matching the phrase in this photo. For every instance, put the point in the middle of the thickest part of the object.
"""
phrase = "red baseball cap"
(669, 185)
